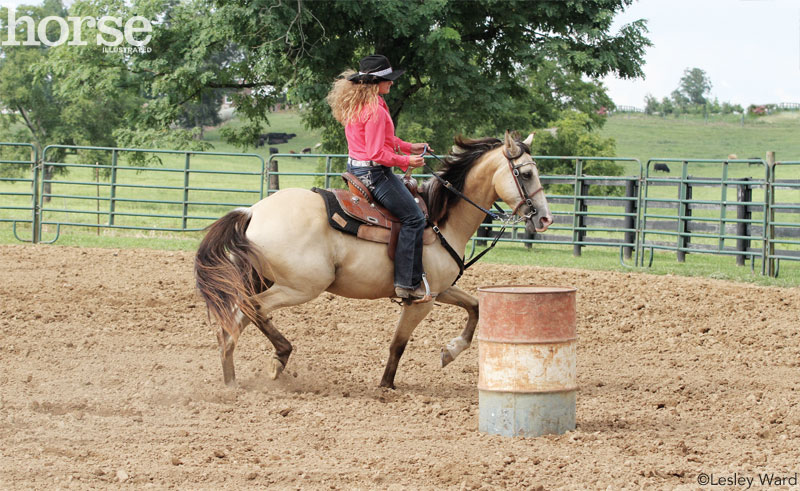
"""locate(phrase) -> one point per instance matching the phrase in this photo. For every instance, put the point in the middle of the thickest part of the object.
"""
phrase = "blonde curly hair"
(348, 99)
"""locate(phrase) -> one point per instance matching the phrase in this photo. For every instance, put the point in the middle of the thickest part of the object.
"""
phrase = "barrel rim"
(535, 341)
(510, 289)
(555, 390)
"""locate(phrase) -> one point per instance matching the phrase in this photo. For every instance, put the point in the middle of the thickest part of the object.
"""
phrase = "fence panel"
(784, 218)
(588, 210)
(721, 209)
(176, 191)
(730, 207)
(18, 178)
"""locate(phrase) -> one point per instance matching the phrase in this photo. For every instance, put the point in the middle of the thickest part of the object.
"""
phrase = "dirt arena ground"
(110, 378)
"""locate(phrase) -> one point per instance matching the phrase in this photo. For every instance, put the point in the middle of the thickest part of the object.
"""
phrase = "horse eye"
(527, 175)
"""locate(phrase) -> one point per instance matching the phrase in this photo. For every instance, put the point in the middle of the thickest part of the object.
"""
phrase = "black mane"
(455, 169)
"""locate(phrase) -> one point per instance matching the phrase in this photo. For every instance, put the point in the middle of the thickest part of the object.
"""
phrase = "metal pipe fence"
(121, 193)
(742, 208)
(19, 202)
(783, 219)
(713, 213)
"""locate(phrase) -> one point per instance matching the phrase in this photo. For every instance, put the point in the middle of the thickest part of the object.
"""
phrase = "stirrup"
(427, 297)
(412, 298)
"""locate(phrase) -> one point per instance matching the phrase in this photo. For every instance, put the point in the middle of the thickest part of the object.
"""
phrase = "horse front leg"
(409, 319)
(456, 296)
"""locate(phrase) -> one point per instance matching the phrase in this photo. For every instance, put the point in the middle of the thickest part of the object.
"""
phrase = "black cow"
(661, 167)
(273, 150)
(754, 163)
(274, 138)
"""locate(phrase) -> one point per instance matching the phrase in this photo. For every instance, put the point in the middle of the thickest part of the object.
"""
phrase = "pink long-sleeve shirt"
(373, 139)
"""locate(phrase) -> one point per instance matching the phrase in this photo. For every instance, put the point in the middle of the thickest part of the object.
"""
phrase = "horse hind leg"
(276, 297)
(283, 348)
(456, 296)
(227, 344)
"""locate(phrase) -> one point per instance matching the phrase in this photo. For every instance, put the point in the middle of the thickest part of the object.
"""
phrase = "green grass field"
(646, 137)
(637, 136)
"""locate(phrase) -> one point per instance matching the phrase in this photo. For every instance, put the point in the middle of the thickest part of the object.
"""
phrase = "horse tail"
(224, 270)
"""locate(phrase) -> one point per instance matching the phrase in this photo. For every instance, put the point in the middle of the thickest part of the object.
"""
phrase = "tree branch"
(30, 126)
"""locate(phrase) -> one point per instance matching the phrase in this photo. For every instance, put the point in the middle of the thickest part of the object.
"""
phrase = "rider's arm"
(375, 129)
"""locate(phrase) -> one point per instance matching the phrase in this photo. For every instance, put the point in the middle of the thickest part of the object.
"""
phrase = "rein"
(506, 218)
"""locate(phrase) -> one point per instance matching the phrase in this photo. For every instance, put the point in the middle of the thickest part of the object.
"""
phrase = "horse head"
(518, 185)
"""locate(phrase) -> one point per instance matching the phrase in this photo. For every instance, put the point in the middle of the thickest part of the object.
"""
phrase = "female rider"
(356, 102)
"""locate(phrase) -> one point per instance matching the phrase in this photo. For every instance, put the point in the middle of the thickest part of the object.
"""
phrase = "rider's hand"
(420, 147)
(415, 161)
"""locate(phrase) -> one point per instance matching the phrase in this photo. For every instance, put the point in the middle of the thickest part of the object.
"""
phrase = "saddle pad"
(337, 218)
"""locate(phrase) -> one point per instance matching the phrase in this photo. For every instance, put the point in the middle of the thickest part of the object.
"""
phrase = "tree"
(680, 101)
(651, 105)
(205, 112)
(470, 66)
(667, 107)
(76, 95)
(694, 85)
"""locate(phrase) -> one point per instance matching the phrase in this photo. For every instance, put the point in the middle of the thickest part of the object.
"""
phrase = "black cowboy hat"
(373, 69)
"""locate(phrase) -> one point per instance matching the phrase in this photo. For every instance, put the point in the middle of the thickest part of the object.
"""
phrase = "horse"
(282, 252)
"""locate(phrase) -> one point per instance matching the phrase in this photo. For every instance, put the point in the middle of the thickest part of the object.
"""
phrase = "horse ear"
(528, 140)
(509, 142)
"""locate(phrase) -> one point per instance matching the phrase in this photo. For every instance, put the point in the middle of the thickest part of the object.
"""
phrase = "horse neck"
(464, 218)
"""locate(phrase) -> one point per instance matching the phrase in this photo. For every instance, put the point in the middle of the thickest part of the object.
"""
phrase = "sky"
(749, 49)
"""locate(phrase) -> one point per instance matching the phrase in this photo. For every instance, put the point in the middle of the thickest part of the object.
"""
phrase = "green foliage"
(81, 95)
(651, 104)
(471, 67)
(694, 86)
(690, 98)
(573, 136)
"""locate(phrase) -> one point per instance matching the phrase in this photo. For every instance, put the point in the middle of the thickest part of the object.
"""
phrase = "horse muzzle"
(538, 223)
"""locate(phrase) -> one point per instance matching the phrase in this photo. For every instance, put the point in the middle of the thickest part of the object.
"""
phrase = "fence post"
(529, 236)
(744, 195)
(113, 190)
(327, 172)
(769, 231)
(37, 216)
(631, 192)
(484, 231)
(684, 213)
(581, 189)
(274, 182)
(186, 190)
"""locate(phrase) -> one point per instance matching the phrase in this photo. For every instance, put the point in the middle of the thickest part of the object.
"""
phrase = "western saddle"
(377, 223)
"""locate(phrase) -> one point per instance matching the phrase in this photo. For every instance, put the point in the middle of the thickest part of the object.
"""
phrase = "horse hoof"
(274, 368)
(447, 357)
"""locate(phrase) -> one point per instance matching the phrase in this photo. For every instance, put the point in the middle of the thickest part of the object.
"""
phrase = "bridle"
(506, 218)
(526, 199)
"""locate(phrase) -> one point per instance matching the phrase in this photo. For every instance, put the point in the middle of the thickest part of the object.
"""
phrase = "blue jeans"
(389, 190)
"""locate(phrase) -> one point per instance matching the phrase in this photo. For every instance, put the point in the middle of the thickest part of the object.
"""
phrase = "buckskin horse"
(282, 251)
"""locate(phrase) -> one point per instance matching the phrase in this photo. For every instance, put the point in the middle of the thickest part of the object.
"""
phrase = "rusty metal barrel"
(527, 362)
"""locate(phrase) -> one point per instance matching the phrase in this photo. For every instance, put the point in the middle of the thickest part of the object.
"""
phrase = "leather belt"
(361, 163)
